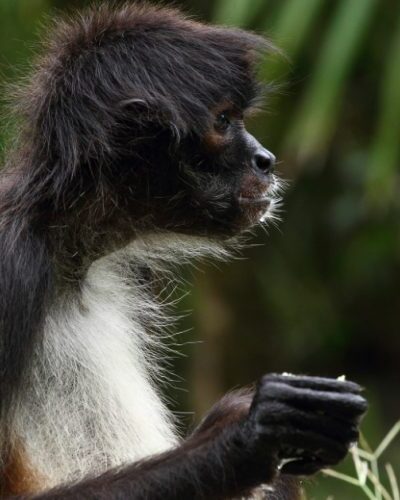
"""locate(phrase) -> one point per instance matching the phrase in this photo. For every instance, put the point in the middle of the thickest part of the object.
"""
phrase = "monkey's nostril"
(264, 161)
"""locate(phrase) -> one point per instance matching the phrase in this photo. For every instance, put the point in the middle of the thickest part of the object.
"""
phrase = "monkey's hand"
(303, 423)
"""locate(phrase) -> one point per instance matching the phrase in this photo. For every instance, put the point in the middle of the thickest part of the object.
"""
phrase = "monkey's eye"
(222, 122)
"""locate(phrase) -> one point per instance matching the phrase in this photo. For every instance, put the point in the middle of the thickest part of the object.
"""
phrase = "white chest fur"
(92, 404)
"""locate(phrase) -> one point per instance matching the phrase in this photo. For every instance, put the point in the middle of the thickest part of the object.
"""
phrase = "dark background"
(320, 294)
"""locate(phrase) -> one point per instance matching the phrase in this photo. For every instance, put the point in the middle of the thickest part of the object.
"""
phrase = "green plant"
(368, 468)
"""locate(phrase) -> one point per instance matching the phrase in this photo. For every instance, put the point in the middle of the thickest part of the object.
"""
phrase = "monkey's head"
(136, 117)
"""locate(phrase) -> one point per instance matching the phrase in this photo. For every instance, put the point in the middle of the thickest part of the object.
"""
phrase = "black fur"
(119, 137)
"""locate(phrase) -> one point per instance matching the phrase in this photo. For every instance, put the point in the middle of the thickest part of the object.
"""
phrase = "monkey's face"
(235, 185)
(217, 183)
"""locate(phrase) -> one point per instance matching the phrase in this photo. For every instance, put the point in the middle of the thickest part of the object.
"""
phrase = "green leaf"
(294, 22)
(385, 151)
(314, 121)
(236, 12)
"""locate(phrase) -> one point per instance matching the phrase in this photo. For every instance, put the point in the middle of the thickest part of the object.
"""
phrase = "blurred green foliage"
(322, 294)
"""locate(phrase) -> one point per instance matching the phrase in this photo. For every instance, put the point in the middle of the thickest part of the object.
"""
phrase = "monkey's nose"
(264, 161)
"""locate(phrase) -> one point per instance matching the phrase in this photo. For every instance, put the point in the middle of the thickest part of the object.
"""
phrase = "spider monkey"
(131, 155)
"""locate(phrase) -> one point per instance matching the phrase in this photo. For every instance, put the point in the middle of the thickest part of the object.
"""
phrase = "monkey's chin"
(257, 209)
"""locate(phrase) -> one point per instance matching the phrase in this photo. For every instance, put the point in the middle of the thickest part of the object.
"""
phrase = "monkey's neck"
(91, 403)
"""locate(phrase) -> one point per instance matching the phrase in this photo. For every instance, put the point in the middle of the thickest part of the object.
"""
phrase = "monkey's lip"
(256, 200)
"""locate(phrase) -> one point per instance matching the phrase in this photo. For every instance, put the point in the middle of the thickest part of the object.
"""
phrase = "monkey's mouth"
(255, 208)
(257, 194)
(260, 202)
(256, 201)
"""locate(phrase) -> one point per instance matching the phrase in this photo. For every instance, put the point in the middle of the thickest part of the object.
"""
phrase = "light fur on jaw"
(272, 214)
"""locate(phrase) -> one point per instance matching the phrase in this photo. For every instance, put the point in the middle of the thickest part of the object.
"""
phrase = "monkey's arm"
(310, 420)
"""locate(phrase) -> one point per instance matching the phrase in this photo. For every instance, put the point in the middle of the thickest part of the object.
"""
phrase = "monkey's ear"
(145, 108)
(25, 283)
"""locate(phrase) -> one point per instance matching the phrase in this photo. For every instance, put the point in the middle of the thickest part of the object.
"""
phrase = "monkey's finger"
(303, 467)
(282, 414)
(316, 383)
(342, 405)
